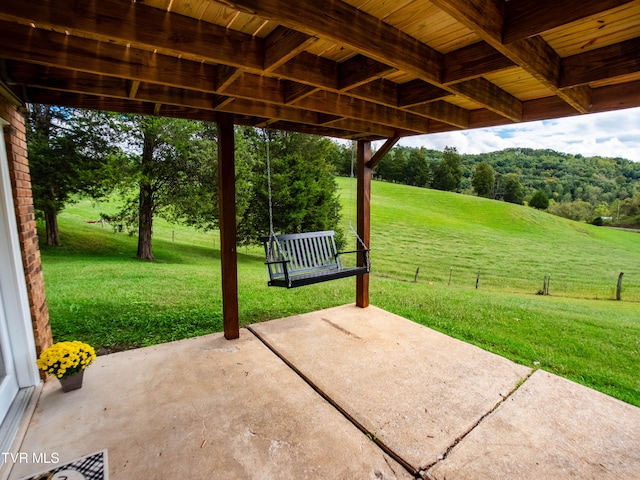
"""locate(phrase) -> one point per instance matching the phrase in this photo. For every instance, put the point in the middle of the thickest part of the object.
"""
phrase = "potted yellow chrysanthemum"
(66, 361)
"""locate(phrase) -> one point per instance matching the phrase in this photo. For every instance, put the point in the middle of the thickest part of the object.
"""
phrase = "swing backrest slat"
(303, 253)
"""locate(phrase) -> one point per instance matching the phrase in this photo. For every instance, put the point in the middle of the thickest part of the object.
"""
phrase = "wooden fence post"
(619, 286)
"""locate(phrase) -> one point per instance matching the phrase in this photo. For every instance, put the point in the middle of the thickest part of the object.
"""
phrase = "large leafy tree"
(539, 200)
(417, 170)
(512, 188)
(303, 188)
(71, 152)
(483, 179)
(448, 173)
(173, 164)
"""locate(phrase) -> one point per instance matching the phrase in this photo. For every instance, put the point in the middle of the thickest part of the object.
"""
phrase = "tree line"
(572, 186)
(167, 168)
(163, 167)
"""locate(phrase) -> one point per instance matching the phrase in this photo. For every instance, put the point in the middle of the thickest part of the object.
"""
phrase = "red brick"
(15, 140)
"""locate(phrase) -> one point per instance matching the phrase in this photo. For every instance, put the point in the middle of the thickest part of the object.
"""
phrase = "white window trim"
(13, 283)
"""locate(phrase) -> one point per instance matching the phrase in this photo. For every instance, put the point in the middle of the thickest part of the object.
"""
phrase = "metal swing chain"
(351, 202)
(272, 233)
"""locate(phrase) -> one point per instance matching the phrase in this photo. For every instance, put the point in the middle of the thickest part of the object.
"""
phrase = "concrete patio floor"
(342, 393)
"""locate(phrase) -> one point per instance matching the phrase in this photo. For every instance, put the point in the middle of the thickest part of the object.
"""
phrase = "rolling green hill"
(513, 247)
(100, 293)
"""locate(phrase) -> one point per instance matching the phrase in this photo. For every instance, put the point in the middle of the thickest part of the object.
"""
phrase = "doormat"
(89, 467)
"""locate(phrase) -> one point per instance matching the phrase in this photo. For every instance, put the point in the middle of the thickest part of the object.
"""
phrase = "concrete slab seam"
(424, 473)
(371, 435)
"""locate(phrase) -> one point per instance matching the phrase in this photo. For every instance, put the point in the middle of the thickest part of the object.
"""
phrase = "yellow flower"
(66, 358)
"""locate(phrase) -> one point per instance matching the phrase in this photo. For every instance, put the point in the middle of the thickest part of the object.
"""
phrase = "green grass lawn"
(100, 293)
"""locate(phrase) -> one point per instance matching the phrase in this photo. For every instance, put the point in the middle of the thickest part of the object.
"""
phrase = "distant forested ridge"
(578, 187)
(564, 177)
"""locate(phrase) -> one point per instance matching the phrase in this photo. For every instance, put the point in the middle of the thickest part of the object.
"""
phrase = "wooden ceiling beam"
(172, 34)
(417, 92)
(269, 110)
(366, 127)
(435, 110)
(444, 112)
(282, 45)
(193, 40)
(600, 64)
(486, 18)
(473, 61)
(545, 108)
(379, 91)
(483, 117)
(270, 89)
(337, 104)
(54, 49)
(348, 25)
(359, 70)
(57, 79)
(492, 96)
(616, 97)
(142, 26)
(133, 88)
(294, 91)
(226, 75)
(31, 45)
(91, 102)
(163, 96)
(612, 97)
(311, 70)
(526, 18)
(325, 131)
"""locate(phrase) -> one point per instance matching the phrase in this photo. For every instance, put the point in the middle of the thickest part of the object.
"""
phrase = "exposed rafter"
(360, 70)
(600, 64)
(349, 26)
(524, 18)
(486, 19)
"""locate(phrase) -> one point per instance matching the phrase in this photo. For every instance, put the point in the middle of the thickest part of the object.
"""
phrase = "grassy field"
(100, 293)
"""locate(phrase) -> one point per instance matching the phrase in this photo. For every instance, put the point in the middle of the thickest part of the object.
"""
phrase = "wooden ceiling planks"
(354, 68)
(518, 83)
(618, 25)
(383, 9)
(430, 25)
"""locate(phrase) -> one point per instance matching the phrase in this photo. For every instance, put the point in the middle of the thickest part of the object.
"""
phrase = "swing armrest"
(353, 251)
(273, 262)
(364, 252)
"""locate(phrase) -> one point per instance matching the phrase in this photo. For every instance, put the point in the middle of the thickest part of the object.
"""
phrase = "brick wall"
(16, 145)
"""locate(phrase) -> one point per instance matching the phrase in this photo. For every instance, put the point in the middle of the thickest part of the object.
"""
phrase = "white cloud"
(610, 134)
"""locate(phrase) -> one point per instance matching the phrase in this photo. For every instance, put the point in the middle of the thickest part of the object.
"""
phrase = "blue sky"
(610, 134)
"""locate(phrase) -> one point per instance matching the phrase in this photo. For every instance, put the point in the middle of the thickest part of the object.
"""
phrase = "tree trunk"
(51, 220)
(51, 224)
(145, 220)
(145, 223)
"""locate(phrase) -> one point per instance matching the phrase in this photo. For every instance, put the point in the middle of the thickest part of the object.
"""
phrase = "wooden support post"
(227, 204)
(364, 216)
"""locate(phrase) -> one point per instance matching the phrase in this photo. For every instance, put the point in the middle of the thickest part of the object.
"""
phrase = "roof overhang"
(360, 69)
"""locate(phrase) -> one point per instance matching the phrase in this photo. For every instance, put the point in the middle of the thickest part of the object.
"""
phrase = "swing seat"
(301, 259)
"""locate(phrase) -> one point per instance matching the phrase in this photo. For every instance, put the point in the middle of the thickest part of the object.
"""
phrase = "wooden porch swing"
(295, 260)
